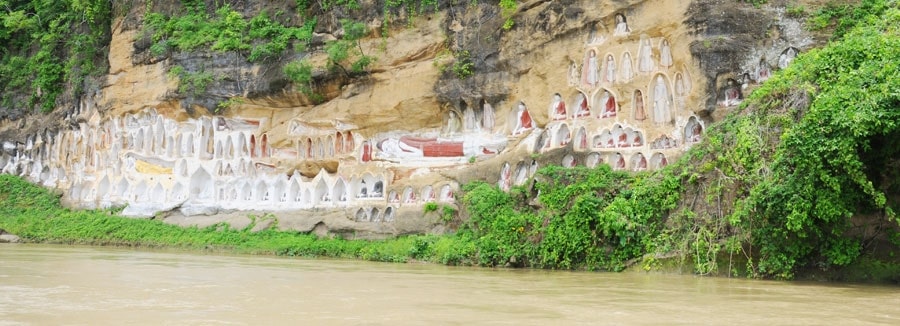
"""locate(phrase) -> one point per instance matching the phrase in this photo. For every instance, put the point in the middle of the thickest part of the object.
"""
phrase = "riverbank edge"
(105, 229)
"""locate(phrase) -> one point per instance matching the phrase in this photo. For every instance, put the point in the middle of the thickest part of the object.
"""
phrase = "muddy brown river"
(57, 285)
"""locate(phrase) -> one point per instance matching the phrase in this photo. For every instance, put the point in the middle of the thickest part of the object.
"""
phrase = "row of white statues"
(609, 70)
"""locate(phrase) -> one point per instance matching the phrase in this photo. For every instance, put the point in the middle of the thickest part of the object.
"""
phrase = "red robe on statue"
(526, 120)
(366, 152)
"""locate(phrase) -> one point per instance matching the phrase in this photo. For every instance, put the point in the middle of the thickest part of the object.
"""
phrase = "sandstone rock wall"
(632, 84)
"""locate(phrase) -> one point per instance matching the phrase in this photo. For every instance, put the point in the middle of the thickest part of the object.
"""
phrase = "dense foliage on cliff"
(803, 176)
(49, 47)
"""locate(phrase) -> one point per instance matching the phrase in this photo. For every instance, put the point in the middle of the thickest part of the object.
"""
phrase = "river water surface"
(55, 285)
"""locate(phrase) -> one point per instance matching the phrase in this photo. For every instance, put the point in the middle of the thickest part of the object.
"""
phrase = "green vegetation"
(191, 83)
(260, 38)
(346, 54)
(779, 181)
(507, 9)
(48, 45)
(463, 66)
(843, 17)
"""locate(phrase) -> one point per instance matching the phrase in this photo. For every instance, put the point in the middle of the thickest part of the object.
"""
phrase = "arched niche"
(349, 144)
(581, 139)
(279, 190)
(254, 149)
(177, 193)
(626, 70)
(619, 137)
(232, 192)
(520, 120)
(658, 161)
(264, 150)
(590, 68)
(428, 194)
(625, 138)
(661, 99)
(645, 62)
(544, 141)
(294, 194)
(170, 145)
(301, 150)
(140, 192)
(366, 152)
(158, 194)
(229, 148)
(329, 146)
(389, 214)
(308, 198)
(592, 160)
(137, 140)
(362, 215)
(730, 93)
(787, 56)
(639, 112)
(636, 138)
(562, 136)
(505, 178)
(103, 188)
(75, 192)
(260, 191)
(243, 151)
(359, 188)
(207, 139)
(201, 186)
(617, 161)
(693, 130)
(321, 194)
(378, 189)
(663, 142)
(246, 193)
(569, 161)
(88, 192)
(393, 197)
(603, 140)
(177, 146)
(609, 69)
(605, 104)
(521, 174)
(665, 54)
(338, 143)
(188, 148)
(446, 195)
(763, 71)
(228, 170)
(149, 141)
(181, 168)
(320, 148)
(409, 196)
(122, 189)
(375, 215)
(557, 109)
(533, 169)
(638, 162)
(339, 191)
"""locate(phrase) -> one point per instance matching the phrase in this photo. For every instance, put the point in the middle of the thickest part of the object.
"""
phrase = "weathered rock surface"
(8, 238)
(628, 83)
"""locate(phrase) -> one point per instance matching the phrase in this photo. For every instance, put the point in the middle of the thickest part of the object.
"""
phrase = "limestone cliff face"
(632, 84)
